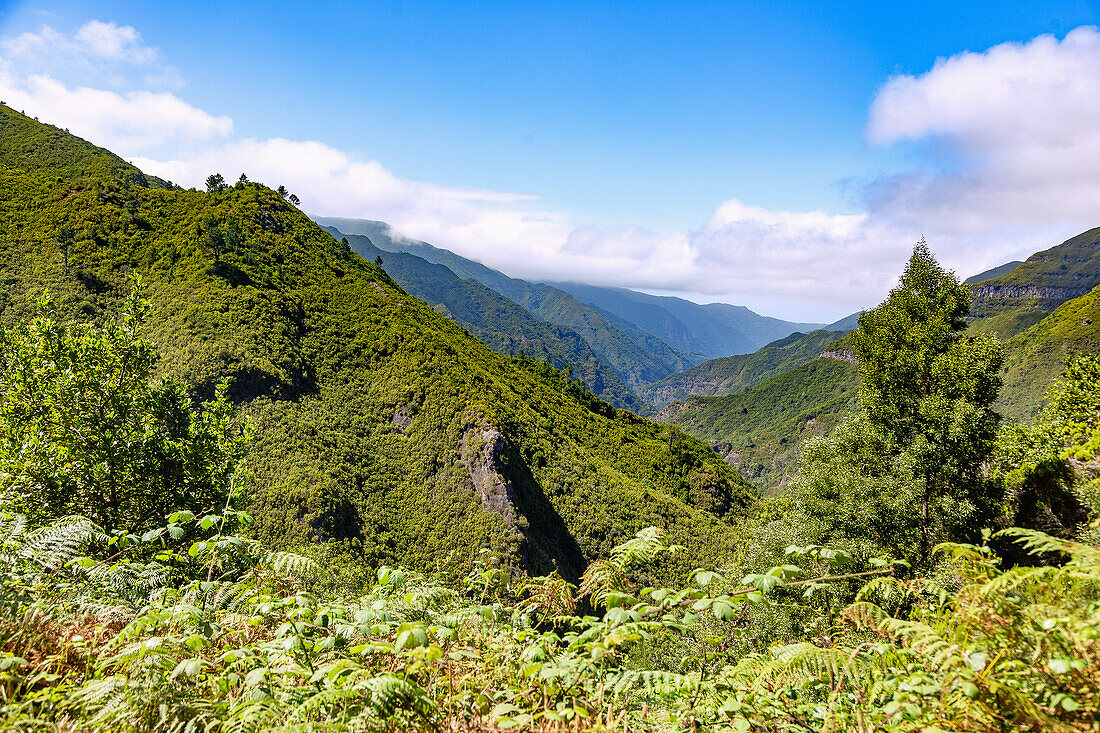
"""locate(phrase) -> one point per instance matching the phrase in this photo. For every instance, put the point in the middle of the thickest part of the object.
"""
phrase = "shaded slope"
(993, 272)
(503, 325)
(379, 423)
(732, 374)
(637, 357)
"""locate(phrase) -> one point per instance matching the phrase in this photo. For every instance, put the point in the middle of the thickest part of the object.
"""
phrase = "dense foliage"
(907, 469)
(83, 431)
(370, 408)
(765, 425)
(733, 374)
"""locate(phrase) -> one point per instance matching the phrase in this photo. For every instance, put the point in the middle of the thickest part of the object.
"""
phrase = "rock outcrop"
(840, 355)
(482, 453)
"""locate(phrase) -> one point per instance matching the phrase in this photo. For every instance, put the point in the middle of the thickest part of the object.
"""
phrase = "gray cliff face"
(482, 453)
(1027, 291)
(840, 355)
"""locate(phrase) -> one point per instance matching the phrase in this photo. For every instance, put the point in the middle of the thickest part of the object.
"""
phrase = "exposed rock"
(840, 355)
(1027, 291)
(725, 449)
(482, 453)
(402, 417)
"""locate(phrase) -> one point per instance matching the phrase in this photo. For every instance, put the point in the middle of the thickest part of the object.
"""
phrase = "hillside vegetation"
(1036, 356)
(380, 424)
(1007, 304)
(498, 322)
(732, 374)
(760, 430)
(1040, 332)
(877, 596)
(638, 358)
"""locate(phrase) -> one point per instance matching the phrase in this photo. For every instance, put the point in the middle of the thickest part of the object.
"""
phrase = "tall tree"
(915, 455)
(215, 182)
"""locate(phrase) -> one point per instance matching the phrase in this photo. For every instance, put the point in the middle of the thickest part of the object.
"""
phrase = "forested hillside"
(1042, 307)
(732, 374)
(900, 583)
(637, 356)
(498, 322)
(1036, 356)
(1009, 303)
(761, 429)
(380, 424)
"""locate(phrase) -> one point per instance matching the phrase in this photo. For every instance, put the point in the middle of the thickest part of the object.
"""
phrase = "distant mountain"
(639, 358)
(991, 273)
(503, 325)
(731, 374)
(713, 330)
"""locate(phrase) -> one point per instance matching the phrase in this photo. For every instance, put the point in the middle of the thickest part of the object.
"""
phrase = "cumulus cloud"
(1013, 169)
(97, 52)
(1019, 133)
(126, 123)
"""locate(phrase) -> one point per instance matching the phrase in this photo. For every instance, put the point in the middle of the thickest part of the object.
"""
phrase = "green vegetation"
(381, 426)
(574, 567)
(1007, 304)
(906, 470)
(499, 323)
(190, 625)
(639, 358)
(760, 429)
(733, 374)
(1035, 357)
(83, 431)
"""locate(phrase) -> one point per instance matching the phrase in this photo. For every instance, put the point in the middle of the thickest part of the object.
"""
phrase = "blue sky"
(604, 139)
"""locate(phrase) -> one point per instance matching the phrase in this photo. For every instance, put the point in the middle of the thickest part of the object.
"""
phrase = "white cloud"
(111, 41)
(1019, 127)
(96, 53)
(1014, 169)
(126, 123)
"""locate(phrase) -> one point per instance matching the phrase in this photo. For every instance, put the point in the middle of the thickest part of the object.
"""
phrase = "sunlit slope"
(759, 430)
(1008, 304)
(732, 374)
(379, 422)
(1035, 357)
(500, 323)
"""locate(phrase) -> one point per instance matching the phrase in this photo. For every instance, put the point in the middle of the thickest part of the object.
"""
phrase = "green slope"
(1043, 307)
(638, 357)
(737, 373)
(497, 321)
(759, 430)
(1008, 304)
(379, 422)
(1035, 357)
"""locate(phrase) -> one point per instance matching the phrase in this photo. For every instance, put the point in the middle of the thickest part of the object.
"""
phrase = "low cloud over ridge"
(1014, 170)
